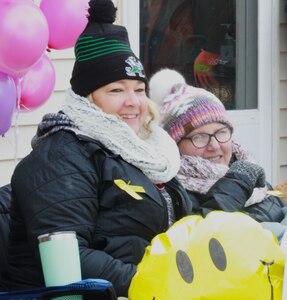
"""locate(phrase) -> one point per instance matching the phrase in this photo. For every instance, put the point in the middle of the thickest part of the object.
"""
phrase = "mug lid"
(58, 235)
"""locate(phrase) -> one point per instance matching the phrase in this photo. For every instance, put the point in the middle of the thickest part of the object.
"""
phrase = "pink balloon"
(8, 95)
(66, 20)
(38, 84)
(24, 36)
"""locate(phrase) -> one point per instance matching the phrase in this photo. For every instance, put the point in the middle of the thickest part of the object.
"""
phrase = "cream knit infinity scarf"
(157, 156)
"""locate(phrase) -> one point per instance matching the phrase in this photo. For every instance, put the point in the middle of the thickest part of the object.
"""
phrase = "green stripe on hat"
(88, 47)
(102, 53)
(86, 43)
(99, 46)
(98, 49)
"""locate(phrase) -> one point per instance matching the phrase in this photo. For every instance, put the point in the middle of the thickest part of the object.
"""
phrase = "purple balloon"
(8, 96)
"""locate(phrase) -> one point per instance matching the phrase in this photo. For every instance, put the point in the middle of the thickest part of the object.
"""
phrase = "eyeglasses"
(201, 140)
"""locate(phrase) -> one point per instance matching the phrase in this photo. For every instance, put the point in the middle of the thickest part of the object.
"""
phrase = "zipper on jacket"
(165, 220)
(180, 209)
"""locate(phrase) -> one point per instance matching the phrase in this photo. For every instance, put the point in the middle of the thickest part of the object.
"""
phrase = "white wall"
(16, 142)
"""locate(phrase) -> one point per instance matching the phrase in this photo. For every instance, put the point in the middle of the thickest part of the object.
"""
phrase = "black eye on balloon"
(184, 266)
(217, 254)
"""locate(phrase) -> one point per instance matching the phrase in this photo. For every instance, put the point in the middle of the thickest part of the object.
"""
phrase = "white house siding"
(283, 93)
(16, 142)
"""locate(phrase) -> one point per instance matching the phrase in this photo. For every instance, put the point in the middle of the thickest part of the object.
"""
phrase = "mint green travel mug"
(59, 252)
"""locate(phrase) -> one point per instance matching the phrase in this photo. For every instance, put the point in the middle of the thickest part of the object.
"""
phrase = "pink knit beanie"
(183, 107)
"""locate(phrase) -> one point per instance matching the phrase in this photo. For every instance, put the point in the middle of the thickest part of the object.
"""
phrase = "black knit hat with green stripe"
(103, 53)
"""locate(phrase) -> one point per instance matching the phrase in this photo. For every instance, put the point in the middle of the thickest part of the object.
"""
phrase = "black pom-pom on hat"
(102, 11)
(103, 53)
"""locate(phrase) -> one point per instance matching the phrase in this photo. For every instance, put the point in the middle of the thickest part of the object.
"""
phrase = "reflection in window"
(207, 41)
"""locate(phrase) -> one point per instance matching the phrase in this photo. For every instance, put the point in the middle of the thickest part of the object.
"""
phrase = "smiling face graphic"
(223, 256)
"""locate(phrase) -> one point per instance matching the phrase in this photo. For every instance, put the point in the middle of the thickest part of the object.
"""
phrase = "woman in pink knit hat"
(216, 171)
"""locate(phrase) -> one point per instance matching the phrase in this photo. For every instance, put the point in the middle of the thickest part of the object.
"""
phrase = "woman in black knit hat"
(101, 167)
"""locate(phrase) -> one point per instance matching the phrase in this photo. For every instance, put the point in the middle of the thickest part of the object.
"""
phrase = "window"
(213, 43)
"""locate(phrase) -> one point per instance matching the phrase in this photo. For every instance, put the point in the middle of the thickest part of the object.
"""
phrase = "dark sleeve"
(228, 194)
(62, 194)
(269, 210)
(5, 201)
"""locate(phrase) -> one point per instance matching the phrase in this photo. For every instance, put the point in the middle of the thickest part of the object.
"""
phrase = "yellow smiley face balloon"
(225, 256)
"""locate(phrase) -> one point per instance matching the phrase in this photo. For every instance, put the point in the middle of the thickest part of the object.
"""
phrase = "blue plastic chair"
(88, 289)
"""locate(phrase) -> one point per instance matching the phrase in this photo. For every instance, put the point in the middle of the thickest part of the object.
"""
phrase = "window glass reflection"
(199, 39)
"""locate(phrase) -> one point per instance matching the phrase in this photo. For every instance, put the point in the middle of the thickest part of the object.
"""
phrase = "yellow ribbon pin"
(132, 190)
(275, 193)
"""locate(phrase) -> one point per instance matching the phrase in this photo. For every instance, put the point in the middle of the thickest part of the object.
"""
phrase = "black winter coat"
(67, 183)
(230, 193)
(5, 201)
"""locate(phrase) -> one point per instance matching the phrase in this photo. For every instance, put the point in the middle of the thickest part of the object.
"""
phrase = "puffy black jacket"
(5, 202)
(67, 183)
(230, 194)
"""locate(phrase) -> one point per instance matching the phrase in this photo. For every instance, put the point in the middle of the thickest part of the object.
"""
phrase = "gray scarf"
(156, 156)
(198, 174)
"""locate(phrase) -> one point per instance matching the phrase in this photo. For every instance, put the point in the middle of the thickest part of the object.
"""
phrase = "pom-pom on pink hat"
(183, 107)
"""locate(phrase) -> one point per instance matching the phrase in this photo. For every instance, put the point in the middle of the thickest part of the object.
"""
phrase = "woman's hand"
(254, 172)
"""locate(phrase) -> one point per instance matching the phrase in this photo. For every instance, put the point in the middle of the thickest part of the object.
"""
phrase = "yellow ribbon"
(132, 190)
(275, 193)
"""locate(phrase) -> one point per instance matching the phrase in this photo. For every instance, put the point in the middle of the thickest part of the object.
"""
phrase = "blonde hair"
(152, 115)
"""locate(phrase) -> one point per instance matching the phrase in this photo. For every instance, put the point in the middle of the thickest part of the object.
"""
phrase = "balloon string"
(25, 107)
(16, 132)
